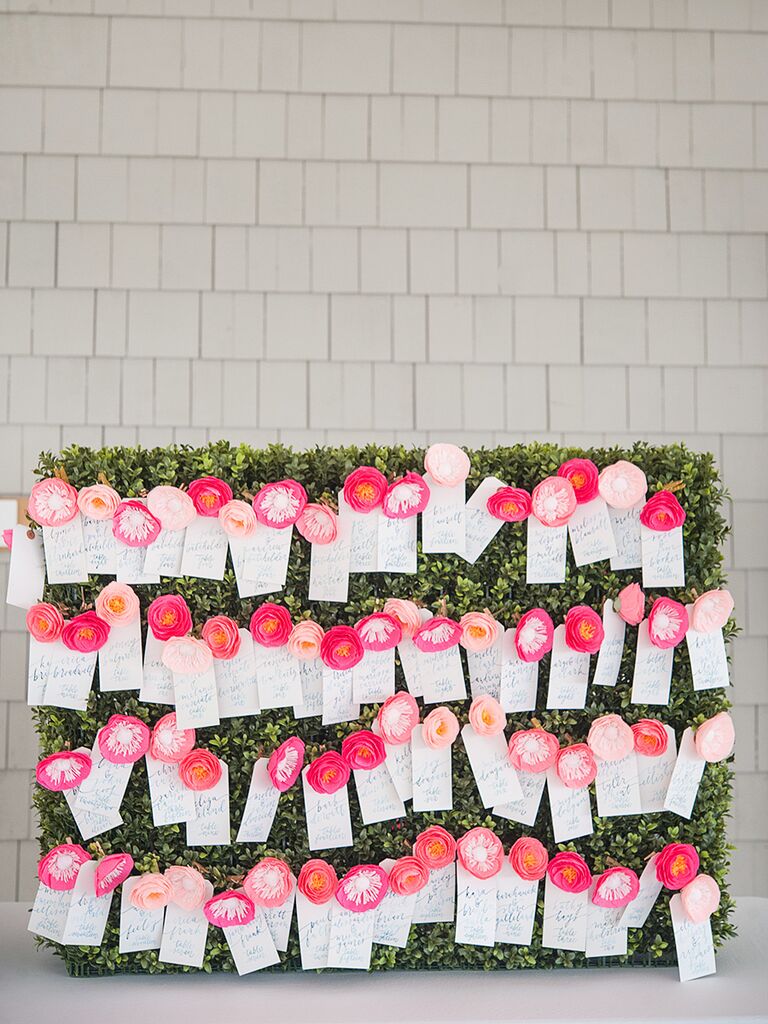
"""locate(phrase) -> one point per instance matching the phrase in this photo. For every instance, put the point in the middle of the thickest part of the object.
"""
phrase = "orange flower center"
(487, 717)
(168, 618)
(586, 630)
(116, 605)
(436, 848)
(86, 633)
(662, 517)
(344, 650)
(679, 865)
(578, 479)
(316, 882)
(219, 637)
(209, 500)
(569, 874)
(365, 492)
(199, 771)
(440, 728)
(99, 503)
(269, 626)
(476, 631)
(329, 775)
(509, 508)
(43, 624)
(529, 859)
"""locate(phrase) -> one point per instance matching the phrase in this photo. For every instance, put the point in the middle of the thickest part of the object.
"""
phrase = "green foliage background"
(497, 582)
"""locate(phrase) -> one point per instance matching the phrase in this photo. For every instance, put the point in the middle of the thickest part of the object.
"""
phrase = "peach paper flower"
(486, 716)
(553, 501)
(59, 867)
(569, 872)
(112, 871)
(200, 770)
(435, 848)
(510, 504)
(188, 886)
(134, 524)
(169, 616)
(285, 763)
(45, 622)
(576, 766)
(398, 717)
(532, 750)
(230, 908)
(440, 728)
(667, 623)
(407, 876)
(446, 464)
(363, 750)
(583, 629)
(152, 892)
(662, 512)
(630, 604)
(616, 887)
(85, 633)
(222, 636)
(622, 485)
(364, 489)
(52, 502)
(186, 655)
(651, 739)
(280, 504)
(405, 497)
(168, 743)
(711, 611)
(341, 648)
(676, 865)
(237, 519)
(305, 639)
(328, 773)
(117, 604)
(534, 635)
(269, 882)
(379, 632)
(318, 524)
(700, 898)
(529, 859)
(271, 625)
(610, 738)
(362, 888)
(404, 612)
(172, 506)
(98, 502)
(480, 852)
(437, 634)
(479, 631)
(124, 739)
(582, 475)
(63, 770)
(714, 739)
(317, 881)
(209, 494)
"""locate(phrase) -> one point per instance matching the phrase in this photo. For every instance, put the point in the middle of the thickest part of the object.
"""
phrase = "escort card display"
(378, 708)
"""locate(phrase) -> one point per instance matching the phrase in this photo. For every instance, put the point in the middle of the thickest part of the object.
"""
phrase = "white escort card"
(496, 779)
(377, 796)
(432, 780)
(26, 571)
(65, 560)
(373, 678)
(410, 656)
(90, 823)
(655, 773)
(172, 801)
(205, 549)
(70, 677)
(686, 776)
(662, 551)
(400, 765)
(515, 906)
(526, 809)
(394, 916)
(100, 548)
(611, 649)
(568, 674)
(165, 553)
(130, 565)
(617, 787)
(709, 663)
(265, 560)
(652, 677)
(481, 527)
(606, 935)
(338, 702)
(102, 792)
(49, 913)
(251, 945)
(210, 826)
(279, 919)
(351, 939)
(120, 660)
(636, 913)
(436, 902)
(591, 533)
(311, 690)
(625, 523)
(545, 558)
(571, 809)
(329, 566)
(184, 934)
(88, 913)
(693, 943)
(363, 536)
(139, 929)
(157, 681)
(441, 676)
(329, 825)
(397, 544)
(565, 918)
(38, 667)
(485, 669)
(475, 909)
(260, 806)
(443, 520)
(236, 687)
(519, 679)
(314, 931)
(196, 699)
(278, 677)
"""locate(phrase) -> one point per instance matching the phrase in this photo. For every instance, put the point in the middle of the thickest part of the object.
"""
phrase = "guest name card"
(410, 656)
(626, 533)
(157, 683)
(351, 938)
(210, 826)
(103, 790)
(278, 677)
(311, 690)
(397, 544)
(591, 533)
(260, 806)
(545, 559)
(571, 809)
(364, 536)
(653, 670)
(636, 913)
(526, 809)
(655, 773)
(90, 823)
(441, 675)
(49, 913)
(432, 780)
(87, 917)
(172, 802)
(99, 544)
(184, 934)
(400, 765)
(437, 900)
(481, 527)
(328, 822)
(279, 919)
(568, 674)
(338, 702)
(26, 571)
(519, 679)
(565, 918)
(709, 664)
(485, 669)
(515, 906)
(130, 565)
(606, 935)
(314, 931)
(38, 667)
(205, 549)
(265, 563)
(443, 520)
(373, 678)
(251, 945)
(196, 698)
(394, 916)
(120, 663)
(663, 564)
(693, 942)
(65, 560)
(165, 553)
(617, 787)
(496, 779)
(236, 688)
(475, 909)
(329, 566)
(70, 677)
(377, 796)
(686, 776)
(139, 929)
(243, 552)
(611, 649)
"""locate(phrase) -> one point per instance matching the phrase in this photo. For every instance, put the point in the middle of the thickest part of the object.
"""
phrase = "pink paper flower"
(188, 887)
(622, 485)
(379, 632)
(630, 604)
(63, 770)
(583, 629)
(510, 504)
(437, 634)
(168, 743)
(711, 611)
(209, 494)
(404, 612)
(616, 887)
(134, 525)
(676, 865)
(124, 739)
(610, 738)
(169, 616)
(222, 636)
(486, 716)
(280, 504)
(153, 891)
(398, 717)
(269, 882)
(112, 871)
(52, 502)
(405, 497)
(186, 655)
(651, 739)
(700, 898)
(532, 750)
(446, 464)
(59, 867)
(285, 763)
(714, 739)
(341, 648)
(85, 633)
(317, 881)
(479, 631)
(237, 518)
(271, 625)
(363, 750)
(228, 909)
(534, 635)
(576, 766)
(480, 852)
(362, 888)
(662, 512)
(200, 770)
(8, 538)
(318, 524)
(172, 506)
(667, 623)
(45, 622)
(328, 773)
(117, 604)
(364, 489)
(553, 501)
(407, 876)
(582, 475)
(569, 872)
(529, 859)
(305, 639)
(435, 848)
(98, 502)
(440, 728)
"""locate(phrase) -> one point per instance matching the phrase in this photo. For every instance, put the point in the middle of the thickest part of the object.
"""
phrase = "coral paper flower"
(59, 867)
(583, 629)
(328, 773)
(124, 739)
(700, 898)
(435, 848)
(168, 743)
(569, 872)
(280, 504)
(711, 611)
(318, 524)
(305, 639)
(364, 489)
(479, 631)
(45, 622)
(576, 766)
(362, 888)
(437, 634)
(510, 504)
(667, 623)
(651, 739)
(529, 858)
(582, 475)
(440, 728)
(616, 887)
(630, 604)
(407, 876)
(228, 909)
(676, 865)
(363, 750)
(714, 738)
(317, 881)
(153, 891)
(117, 604)
(379, 632)
(271, 625)
(610, 738)
(237, 518)
(168, 616)
(222, 636)
(98, 502)
(622, 485)
(398, 717)
(341, 648)
(534, 635)
(404, 612)
(111, 871)
(486, 716)
(188, 886)
(406, 497)
(446, 464)
(209, 494)
(63, 770)
(269, 882)
(480, 852)
(553, 501)
(533, 750)
(186, 655)
(172, 506)
(52, 502)
(662, 512)
(134, 524)
(285, 763)
(200, 770)
(85, 633)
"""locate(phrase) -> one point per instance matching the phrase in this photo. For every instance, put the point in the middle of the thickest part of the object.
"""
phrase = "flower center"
(586, 630)
(116, 605)
(208, 499)
(365, 492)
(269, 626)
(578, 479)
(476, 631)
(569, 874)
(85, 633)
(219, 637)
(168, 618)
(343, 650)
(679, 865)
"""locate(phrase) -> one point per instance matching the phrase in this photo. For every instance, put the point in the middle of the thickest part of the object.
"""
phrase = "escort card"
(49, 913)
(314, 931)
(571, 809)
(130, 565)
(38, 667)
(205, 549)
(165, 553)
(519, 679)
(265, 563)
(612, 648)
(400, 765)
(515, 906)
(709, 664)
(565, 918)
(351, 938)
(363, 536)
(663, 564)
(251, 945)
(441, 675)
(26, 571)
(394, 916)
(693, 942)
(636, 913)
(172, 801)
(65, 560)
(397, 544)
(568, 674)
(120, 663)
(545, 559)
(653, 670)
(591, 533)
(481, 527)
(102, 792)
(655, 773)
(196, 698)
(311, 690)
(432, 780)
(686, 776)
(89, 823)
(606, 935)
(184, 934)
(70, 677)
(373, 678)
(236, 688)
(475, 909)
(410, 656)
(443, 520)
(99, 544)
(279, 919)
(625, 523)
(436, 902)
(210, 826)
(526, 809)
(88, 913)
(329, 566)
(328, 823)
(377, 796)
(617, 787)
(485, 669)
(260, 806)
(278, 677)
(496, 779)
(157, 683)
(139, 929)
(240, 550)
(338, 703)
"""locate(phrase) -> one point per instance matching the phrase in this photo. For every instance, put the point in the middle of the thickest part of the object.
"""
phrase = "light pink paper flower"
(440, 728)
(405, 497)
(59, 867)
(318, 524)
(486, 716)
(480, 852)
(435, 848)
(711, 611)
(651, 739)
(534, 635)
(305, 640)
(362, 888)
(172, 506)
(616, 887)
(269, 882)
(553, 501)
(222, 636)
(576, 766)
(341, 648)
(153, 891)
(85, 633)
(630, 604)
(404, 612)
(407, 876)
(532, 750)
(98, 502)
(317, 881)
(228, 909)
(529, 858)
(168, 743)
(714, 739)
(622, 485)
(437, 634)
(398, 717)
(610, 738)
(52, 502)
(446, 464)
(124, 739)
(479, 631)
(45, 622)
(364, 489)
(188, 887)
(379, 632)
(200, 770)
(117, 604)
(63, 770)
(700, 898)
(134, 524)
(237, 519)
(569, 872)
(112, 871)
(285, 763)
(583, 629)
(186, 655)
(280, 504)
(582, 475)
(667, 623)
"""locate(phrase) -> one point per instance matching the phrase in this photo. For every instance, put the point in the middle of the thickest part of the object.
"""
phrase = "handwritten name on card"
(686, 776)
(409, 656)
(693, 942)
(485, 669)
(565, 918)
(70, 677)
(236, 688)
(278, 677)
(443, 521)
(652, 677)
(172, 802)
(165, 553)
(311, 690)
(394, 916)
(196, 699)
(130, 565)
(205, 549)
(279, 919)
(338, 702)
(625, 523)
(611, 649)
(606, 935)
(591, 533)
(265, 564)
(636, 913)
(441, 675)
(617, 787)
(139, 929)
(184, 934)
(210, 826)
(88, 913)
(120, 662)
(329, 825)
(38, 668)
(251, 945)
(314, 932)
(709, 663)
(377, 796)
(373, 678)
(475, 909)
(49, 913)
(432, 779)
(363, 536)
(568, 674)
(99, 544)
(329, 566)
(480, 526)
(526, 809)
(260, 806)
(545, 558)
(103, 790)
(663, 564)
(241, 551)
(397, 544)
(519, 679)
(400, 765)
(157, 681)
(515, 906)
(26, 572)
(351, 938)
(496, 779)
(436, 902)
(65, 560)
(90, 823)
(571, 809)
(655, 773)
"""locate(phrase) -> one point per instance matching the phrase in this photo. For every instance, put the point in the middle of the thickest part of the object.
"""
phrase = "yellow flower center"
(529, 859)
(316, 882)
(43, 623)
(586, 630)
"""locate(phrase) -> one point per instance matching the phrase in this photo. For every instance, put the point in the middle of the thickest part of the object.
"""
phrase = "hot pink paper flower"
(714, 739)
(8, 538)
(510, 504)
(630, 604)
(662, 512)
(318, 524)
(285, 763)
(440, 728)
(209, 494)
(63, 770)
(529, 859)
(533, 750)
(172, 506)
(404, 612)
(305, 639)
(228, 909)
(435, 848)
(437, 634)
(134, 525)
(317, 881)
(486, 716)
(553, 501)
(168, 743)
(667, 623)
(59, 867)
(479, 631)
(45, 622)
(582, 474)
(98, 502)
(200, 770)
(117, 604)
(398, 717)
(446, 464)
(186, 655)
(85, 633)
(480, 852)
(700, 898)
(328, 773)
(576, 766)
(112, 871)
(341, 648)
(622, 485)
(405, 497)
(651, 739)
(124, 739)
(269, 882)
(379, 632)
(362, 888)
(52, 502)
(616, 887)
(583, 629)
(610, 738)
(271, 625)
(569, 872)
(407, 876)
(364, 489)
(153, 891)
(188, 887)
(711, 611)
(534, 635)
(237, 518)
(280, 504)
(363, 750)
(222, 636)
(168, 616)
(676, 865)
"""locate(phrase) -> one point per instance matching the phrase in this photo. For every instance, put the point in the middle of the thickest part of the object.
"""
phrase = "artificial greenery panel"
(496, 582)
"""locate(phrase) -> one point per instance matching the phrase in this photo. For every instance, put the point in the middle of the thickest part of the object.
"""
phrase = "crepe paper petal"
(404, 612)
(569, 872)
(228, 909)
(533, 750)
(363, 750)
(651, 739)
(64, 770)
(172, 506)
(222, 635)
(662, 512)
(134, 525)
(553, 501)
(85, 633)
(168, 743)
(168, 616)
(479, 631)
(117, 604)
(112, 871)
(576, 766)
(486, 716)
(318, 524)
(341, 648)
(98, 502)
(534, 635)
(622, 485)
(305, 640)
(364, 489)
(280, 504)
(328, 773)
(200, 770)
(616, 887)
(124, 739)
(437, 634)
(480, 852)
(610, 738)
(583, 629)
(714, 739)
(59, 867)
(317, 881)
(435, 847)
(630, 604)
(398, 717)
(285, 764)
(186, 655)
(711, 611)
(446, 464)
(406, 497)
(52, 502)
(582, 474)
(440, 728)
(700, 898)
(237, 518)
(271, 625)
(188, 886)
(408, 876)
(269, 882)
(45, 622)
(667, 623)
(209, 495)
(153, 891)
(362, 888)
(529, 858)
(676, 865)
(379, 632)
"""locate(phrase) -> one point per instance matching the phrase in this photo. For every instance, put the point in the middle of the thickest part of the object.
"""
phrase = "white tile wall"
(480, 220)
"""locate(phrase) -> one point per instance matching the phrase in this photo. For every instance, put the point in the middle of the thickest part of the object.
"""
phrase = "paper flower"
(480, 852)
(553, 501)
(209, 494)
(269, 882)
(228, 909)
(711, 611)
(52, 502)
(622, 485)
(446, 464)
(676, 865)
(662, 512)
(583, 629)
(576, 766)
(200, 770)
(168, 616)
(112, 871)
(651, 739)
(285, 763)
(616, 887)
(124, 739)
(305, 639)
(404, 612)
(59, 867)
(153, 891)
(188, 886)
(398, 717)
(479, 631)
(279, 504)
(364, 489)
(405, 497)
(134, 525)
(317, 881)
(341, 648)
(486, 716)
(714, 738)
(271, 625)
(362, 888)
(534, 635)
(222, 636)
(532, 750)
(85, 633)
(407, 876)
(630, 604)
(363, 750)
(45, 622)
(700, 898)
(172, 506)
(328, 773)
(510, 504)
(98, 502)
(117, 604)
(237, 518)
(63, 770)
(185, 655)
(440, 728)
(435, 847)
(582, 475)
(529, 858)
(318, 524)
(569, 872)
(610, 738)
(437, 634)
(168, 743)
(667, 623)
(379, 632)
